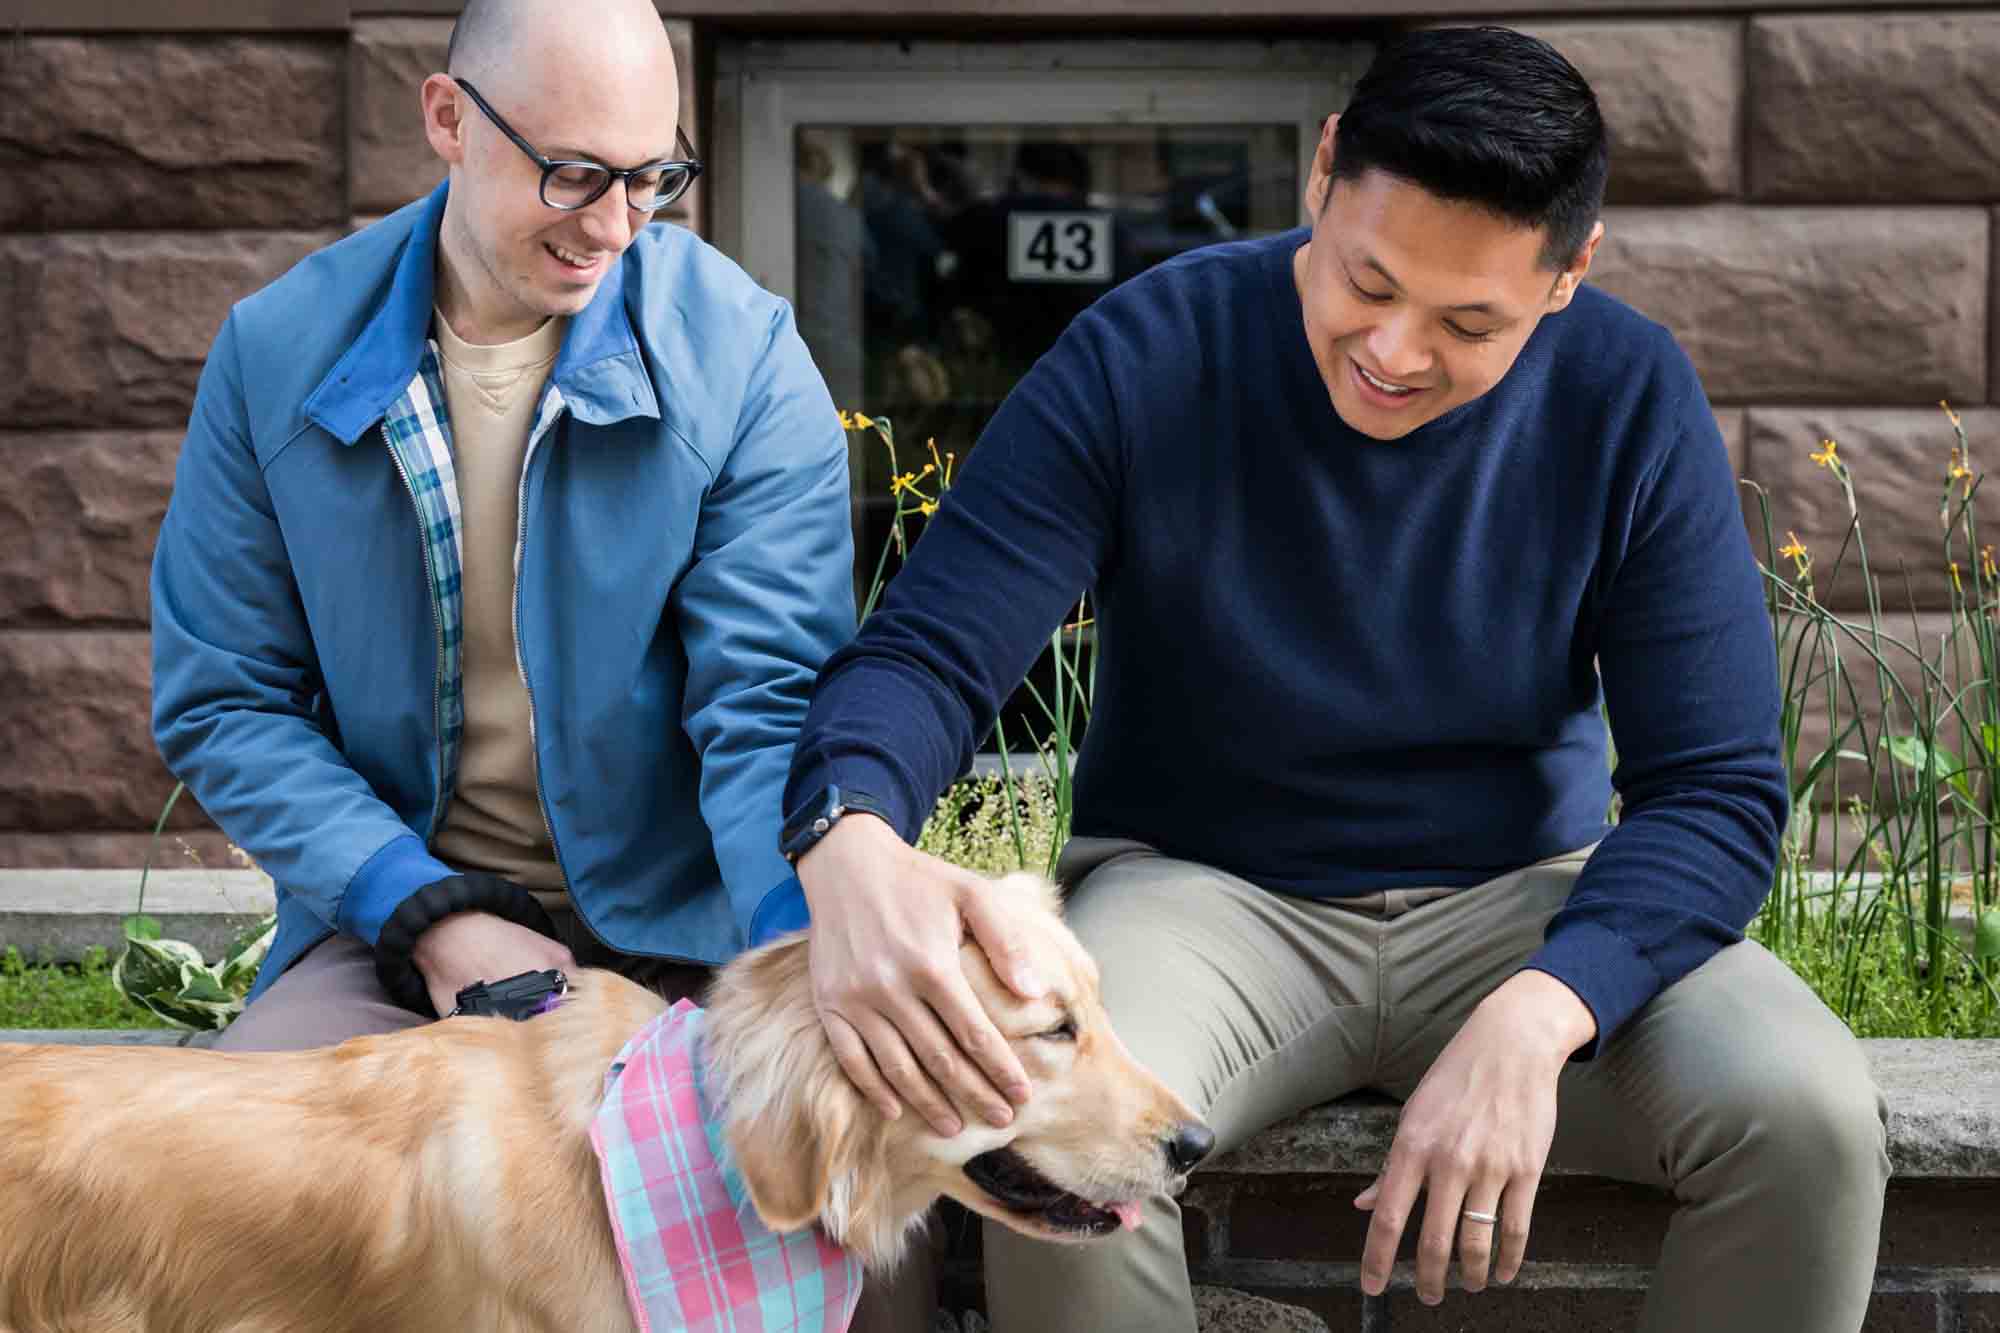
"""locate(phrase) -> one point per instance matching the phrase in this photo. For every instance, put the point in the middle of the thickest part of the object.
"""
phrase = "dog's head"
(1098, 1135)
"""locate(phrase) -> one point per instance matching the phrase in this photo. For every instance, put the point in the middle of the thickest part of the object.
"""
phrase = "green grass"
(65, 995)
(1887, 1000)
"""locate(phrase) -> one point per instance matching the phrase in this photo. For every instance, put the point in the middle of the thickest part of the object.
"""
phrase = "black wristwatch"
(805, 826)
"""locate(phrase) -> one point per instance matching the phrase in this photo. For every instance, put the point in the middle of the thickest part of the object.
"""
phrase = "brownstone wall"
(147, 182)
(1806, 199)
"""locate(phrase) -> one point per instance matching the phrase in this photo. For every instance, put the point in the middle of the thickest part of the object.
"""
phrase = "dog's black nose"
(1188, 1144)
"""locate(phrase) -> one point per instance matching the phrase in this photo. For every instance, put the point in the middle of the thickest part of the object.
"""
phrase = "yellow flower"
(1956, 585)
(1951, 415)
(1795, 551)
(1986, 563)
(927, 508)
(1827, 455)
(862, 421)
(1957, 468)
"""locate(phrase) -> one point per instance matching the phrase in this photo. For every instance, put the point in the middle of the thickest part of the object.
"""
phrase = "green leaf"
(238, 969)
(202, 988)
(144, 968)
(168, 979)
(1909, 751)
(1914, 752)
(141, 928)
(1986, 939)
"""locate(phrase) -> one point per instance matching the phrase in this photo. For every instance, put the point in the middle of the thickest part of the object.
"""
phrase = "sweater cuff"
(1612, 978)
(887, 785)
(780, 912)
(399, 869)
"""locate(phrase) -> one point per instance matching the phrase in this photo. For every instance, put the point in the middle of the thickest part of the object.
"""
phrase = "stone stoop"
(1274, 1241)
(57, 914)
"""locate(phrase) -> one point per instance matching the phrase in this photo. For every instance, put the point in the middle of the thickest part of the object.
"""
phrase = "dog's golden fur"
(442, 1178)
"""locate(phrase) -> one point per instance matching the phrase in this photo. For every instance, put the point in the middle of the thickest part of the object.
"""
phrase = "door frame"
(766, 89)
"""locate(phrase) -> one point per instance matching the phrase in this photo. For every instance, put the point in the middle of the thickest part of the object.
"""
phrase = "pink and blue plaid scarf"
(696, 1255)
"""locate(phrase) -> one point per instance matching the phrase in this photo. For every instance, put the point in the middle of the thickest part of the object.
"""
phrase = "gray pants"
(331, 994)
(1736, 1089)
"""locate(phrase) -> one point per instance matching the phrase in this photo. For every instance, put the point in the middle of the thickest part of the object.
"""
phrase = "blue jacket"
(685, 564)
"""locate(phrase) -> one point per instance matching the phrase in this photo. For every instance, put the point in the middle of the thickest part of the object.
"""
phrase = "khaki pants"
(1735, 1088)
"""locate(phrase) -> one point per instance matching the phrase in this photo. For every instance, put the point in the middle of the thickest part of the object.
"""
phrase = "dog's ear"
(797, 1144)
(792, 1120)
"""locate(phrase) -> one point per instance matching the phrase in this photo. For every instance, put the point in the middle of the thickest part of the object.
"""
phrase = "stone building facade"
(1806, 197)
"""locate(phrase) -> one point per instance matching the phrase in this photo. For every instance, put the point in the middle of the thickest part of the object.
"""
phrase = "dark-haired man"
(1376, 517)
(507, 538)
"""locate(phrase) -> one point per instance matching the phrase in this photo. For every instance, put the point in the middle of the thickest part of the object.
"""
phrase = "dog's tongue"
(1127, 1213)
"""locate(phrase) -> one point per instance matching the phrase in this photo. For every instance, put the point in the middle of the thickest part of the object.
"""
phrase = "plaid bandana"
(695, 1254)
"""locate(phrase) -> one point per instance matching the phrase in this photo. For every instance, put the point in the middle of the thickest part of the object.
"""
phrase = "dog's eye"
(1063, 1031)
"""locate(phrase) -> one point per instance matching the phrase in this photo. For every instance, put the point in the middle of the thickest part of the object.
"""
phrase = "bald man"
(507, 538)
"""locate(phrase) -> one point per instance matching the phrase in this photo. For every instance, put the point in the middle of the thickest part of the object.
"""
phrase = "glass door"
(938, 214)
(933, 264)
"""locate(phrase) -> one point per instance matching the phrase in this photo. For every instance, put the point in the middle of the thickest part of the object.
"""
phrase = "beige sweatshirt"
(494, 820)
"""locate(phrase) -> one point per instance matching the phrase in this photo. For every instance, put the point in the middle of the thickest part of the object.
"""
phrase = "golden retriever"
(442, 1178)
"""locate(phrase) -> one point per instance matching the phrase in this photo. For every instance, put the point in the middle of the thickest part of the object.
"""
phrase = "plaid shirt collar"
(695, 1255)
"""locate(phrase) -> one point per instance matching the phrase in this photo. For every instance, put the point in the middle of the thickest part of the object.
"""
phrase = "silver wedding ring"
(1474, 1215)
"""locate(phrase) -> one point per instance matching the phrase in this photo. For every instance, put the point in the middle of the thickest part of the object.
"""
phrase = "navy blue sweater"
(1330, 664)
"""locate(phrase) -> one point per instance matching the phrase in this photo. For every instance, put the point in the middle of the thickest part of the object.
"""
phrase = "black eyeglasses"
(573, 185)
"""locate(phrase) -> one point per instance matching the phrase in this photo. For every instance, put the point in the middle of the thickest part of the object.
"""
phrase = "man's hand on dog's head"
(888, 921)
(477, 946)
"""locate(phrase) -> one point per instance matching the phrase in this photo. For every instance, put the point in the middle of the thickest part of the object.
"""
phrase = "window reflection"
(936, 263)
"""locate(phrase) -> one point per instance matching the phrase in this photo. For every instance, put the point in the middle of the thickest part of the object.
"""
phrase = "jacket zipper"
(437, 636)
(521, 665)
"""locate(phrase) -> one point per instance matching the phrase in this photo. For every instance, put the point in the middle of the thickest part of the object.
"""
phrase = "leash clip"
(518, 997)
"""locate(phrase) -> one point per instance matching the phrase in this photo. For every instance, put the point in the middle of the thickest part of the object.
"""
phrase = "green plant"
(1923, 830)
(169, 979)
(1064, 708)
(992, 825)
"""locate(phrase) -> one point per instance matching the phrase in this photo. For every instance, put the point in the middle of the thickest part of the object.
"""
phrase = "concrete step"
(103, 1037)
(57, 914)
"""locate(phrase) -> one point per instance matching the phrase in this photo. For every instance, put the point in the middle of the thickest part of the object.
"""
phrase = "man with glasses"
(507, 538)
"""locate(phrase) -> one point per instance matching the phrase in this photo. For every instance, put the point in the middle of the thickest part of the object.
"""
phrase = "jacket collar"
(600, 370)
